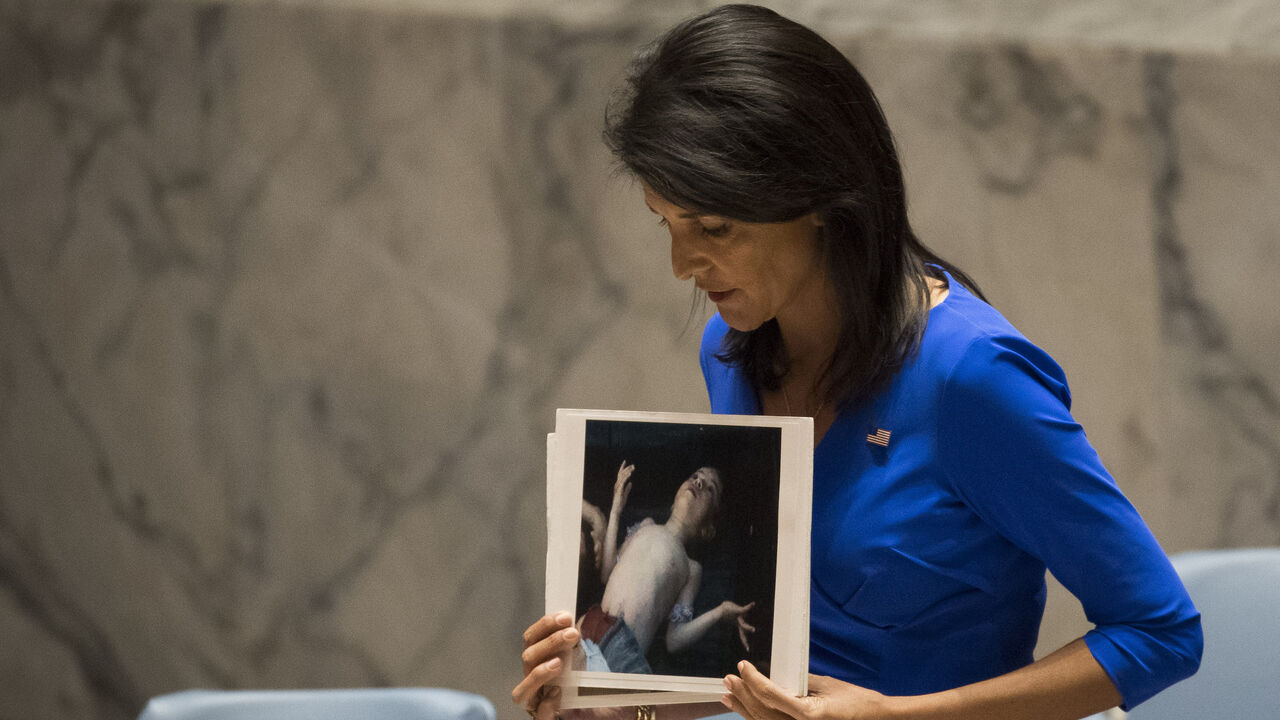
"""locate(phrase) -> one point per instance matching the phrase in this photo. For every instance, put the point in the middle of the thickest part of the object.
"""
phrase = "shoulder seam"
(942, 401)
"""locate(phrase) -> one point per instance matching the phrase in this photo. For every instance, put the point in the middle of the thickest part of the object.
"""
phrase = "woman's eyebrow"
(682, 216)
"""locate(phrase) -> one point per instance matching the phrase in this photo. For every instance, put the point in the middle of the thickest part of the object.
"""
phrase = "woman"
(949, 473)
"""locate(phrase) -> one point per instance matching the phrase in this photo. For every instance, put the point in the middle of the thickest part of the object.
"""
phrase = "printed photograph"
(677, 557)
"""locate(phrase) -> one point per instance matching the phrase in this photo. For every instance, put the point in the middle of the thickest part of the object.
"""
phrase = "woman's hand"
(735, 613)
(756, 697)
(547, 643)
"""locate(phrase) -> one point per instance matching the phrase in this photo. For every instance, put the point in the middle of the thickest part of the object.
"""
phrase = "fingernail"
(742, 665)
(571, 635)
(728, 682)
(553, 664)
(564, 618)
(724, 700)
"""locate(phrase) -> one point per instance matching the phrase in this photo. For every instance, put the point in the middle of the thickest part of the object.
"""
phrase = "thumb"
(821, 684)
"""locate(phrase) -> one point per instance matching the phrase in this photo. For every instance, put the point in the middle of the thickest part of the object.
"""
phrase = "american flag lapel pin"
(879, 437)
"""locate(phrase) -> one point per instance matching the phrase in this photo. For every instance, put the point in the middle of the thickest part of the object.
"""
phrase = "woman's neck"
(811, 327)
(809, 331)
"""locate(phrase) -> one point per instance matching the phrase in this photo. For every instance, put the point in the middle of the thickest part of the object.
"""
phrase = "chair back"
(355, 704)
(1238, 595)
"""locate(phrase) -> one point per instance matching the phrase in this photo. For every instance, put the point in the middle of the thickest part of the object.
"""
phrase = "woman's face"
(753, 272)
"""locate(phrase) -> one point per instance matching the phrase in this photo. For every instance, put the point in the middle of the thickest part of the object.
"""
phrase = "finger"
(557, 644)
(548, 647)
(545, 625)
(745, 701)
(549, 705)
(767, 692)
(526, 692)
(744, 625)
(743, 637)
(734, 705)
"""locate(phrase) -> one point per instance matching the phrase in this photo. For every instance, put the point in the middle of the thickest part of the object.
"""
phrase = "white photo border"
(789, 661)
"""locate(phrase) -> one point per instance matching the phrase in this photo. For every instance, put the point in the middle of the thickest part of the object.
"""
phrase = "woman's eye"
(662, 222)
(717, 231)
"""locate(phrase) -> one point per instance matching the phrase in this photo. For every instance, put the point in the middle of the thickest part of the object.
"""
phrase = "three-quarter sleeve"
(1013, 453)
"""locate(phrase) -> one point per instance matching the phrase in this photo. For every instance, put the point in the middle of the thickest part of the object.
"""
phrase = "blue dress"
(929, 555)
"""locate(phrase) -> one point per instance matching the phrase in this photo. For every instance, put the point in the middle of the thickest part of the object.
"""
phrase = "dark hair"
(590, 587)
(742, 113)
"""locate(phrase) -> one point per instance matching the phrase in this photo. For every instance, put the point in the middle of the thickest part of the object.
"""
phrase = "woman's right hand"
(547, 643)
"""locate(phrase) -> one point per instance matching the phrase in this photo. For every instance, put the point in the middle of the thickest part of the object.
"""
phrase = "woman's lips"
(719, 297)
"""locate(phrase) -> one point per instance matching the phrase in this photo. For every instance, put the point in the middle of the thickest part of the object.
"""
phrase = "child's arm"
(684, 630)
(621, 489)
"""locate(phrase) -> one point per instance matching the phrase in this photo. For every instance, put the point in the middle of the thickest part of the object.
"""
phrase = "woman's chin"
(739, 323)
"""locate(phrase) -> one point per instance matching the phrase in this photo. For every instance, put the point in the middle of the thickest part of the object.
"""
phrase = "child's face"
(698, 498)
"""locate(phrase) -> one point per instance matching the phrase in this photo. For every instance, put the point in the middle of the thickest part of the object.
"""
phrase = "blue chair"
(356, 704)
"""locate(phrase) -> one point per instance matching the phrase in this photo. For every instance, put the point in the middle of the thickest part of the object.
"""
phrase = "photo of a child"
(678, 550)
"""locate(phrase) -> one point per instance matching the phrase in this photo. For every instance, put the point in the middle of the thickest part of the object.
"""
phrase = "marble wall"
(289, 294)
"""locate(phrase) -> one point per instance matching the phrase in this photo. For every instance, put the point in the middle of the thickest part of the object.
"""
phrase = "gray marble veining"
(1215, 231)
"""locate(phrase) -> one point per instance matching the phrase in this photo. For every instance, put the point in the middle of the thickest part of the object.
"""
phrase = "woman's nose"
(687, 258)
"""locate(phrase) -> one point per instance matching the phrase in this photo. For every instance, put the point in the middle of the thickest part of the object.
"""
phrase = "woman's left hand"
(756, 697)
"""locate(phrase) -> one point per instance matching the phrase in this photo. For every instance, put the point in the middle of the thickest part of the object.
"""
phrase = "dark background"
(739, 564)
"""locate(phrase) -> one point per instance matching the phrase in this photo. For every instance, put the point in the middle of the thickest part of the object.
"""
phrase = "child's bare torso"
(652, 569)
